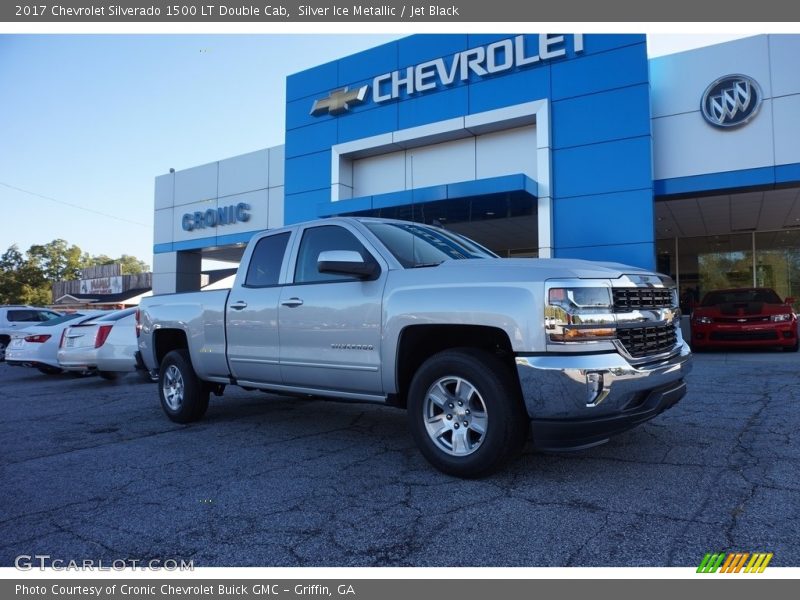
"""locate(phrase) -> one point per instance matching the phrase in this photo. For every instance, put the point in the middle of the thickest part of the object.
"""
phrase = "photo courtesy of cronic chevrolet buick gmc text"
(480, 350)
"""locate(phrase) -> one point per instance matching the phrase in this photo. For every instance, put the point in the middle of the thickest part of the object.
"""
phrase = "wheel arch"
(167, 340)
(417, 343)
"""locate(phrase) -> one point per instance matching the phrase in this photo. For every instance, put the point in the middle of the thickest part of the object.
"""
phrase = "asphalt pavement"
(92, 469)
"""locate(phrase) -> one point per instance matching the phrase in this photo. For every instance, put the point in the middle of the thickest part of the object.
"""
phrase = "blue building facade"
(596, 95)
(535, 145)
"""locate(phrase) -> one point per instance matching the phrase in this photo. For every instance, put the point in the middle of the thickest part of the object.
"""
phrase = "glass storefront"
(760, 259)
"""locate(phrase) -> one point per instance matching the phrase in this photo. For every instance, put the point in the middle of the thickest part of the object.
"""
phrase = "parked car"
(105, 345)
(480, 350)
(16, 317)
(37, 346)
(744, 318)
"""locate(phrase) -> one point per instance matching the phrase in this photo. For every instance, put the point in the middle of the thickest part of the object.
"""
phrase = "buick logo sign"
(731, 101)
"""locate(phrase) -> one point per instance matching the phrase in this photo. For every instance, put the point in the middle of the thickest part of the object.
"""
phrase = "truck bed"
(202, 314)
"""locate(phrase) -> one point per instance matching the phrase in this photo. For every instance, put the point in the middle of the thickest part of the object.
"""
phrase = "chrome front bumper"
(579, 400)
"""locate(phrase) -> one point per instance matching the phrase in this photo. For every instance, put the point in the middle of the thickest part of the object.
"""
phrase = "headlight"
(781, 318)
(578, 314)
(580, 297)
(703, 320)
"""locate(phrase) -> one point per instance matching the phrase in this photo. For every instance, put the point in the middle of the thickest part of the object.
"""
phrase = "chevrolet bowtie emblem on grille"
(339, 101)
(731, 100)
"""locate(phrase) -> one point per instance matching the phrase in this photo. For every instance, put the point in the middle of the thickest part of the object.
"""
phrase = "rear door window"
(265, 263)
(23, 316)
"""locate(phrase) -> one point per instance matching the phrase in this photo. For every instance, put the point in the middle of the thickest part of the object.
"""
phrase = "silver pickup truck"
(482, 351)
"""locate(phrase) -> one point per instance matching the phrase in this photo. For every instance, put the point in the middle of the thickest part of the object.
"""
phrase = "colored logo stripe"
(711, 563)
(733, 562)
(758, 563)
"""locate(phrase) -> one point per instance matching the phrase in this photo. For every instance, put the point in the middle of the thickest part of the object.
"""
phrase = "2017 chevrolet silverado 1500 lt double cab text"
(480, 350)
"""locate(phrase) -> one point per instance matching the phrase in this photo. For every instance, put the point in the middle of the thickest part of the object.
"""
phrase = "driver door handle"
(292, 302)
(239, 305)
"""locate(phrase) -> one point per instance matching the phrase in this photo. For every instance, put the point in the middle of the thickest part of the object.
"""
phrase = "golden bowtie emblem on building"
(339, 101)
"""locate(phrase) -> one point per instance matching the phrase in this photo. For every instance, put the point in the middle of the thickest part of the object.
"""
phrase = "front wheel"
(465, 413)
(794, 348)
(184, 397)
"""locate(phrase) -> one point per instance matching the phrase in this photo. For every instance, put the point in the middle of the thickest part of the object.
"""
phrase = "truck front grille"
(641, 342)
(626, 299)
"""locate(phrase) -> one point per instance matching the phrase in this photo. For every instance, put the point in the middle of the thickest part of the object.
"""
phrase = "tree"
(57, 260)
(28, 278)
(21, 280)
(131, 265)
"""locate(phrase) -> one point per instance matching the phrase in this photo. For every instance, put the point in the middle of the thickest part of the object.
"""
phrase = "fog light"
(595, 390)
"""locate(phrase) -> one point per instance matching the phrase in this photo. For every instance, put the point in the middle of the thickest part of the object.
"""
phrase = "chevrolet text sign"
(497, 57)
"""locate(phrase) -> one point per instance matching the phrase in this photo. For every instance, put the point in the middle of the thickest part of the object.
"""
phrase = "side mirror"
(347, 262)
(790, 300)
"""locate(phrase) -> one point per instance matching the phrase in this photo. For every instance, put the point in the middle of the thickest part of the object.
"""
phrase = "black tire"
(489, 388)
(184, 397)
(3, 345)
(108, 375)
(794, 348)
(48, 370)
(148, 376)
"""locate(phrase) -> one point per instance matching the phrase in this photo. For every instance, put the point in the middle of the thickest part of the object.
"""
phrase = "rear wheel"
(184, 397)
(3, 346)
(465, 413)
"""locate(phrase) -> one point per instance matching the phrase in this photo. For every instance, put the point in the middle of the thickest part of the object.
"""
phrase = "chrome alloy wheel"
(173, 388)
(455, 416)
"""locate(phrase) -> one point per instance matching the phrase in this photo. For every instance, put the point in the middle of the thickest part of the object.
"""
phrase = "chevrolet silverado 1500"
(482, 351)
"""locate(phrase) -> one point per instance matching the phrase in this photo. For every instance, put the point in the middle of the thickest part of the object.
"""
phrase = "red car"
(744, 318)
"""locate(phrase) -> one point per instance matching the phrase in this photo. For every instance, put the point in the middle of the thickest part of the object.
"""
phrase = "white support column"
(544, 205)
(176, 272)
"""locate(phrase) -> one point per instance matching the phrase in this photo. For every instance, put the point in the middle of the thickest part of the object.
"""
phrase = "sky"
(89, 120)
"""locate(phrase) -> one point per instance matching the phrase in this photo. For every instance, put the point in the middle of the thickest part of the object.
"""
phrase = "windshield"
(764, 296)
(416, 245)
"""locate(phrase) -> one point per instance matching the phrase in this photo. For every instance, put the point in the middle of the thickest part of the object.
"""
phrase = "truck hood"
(546, 268)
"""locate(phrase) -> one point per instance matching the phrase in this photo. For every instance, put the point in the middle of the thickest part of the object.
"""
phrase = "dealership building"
(534, 145)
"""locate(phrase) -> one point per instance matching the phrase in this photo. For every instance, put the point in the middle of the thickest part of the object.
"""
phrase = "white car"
(37, 346)
(105, 345)
(18, 317)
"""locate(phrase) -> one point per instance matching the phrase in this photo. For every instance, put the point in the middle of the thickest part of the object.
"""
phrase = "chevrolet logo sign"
(339, 101)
